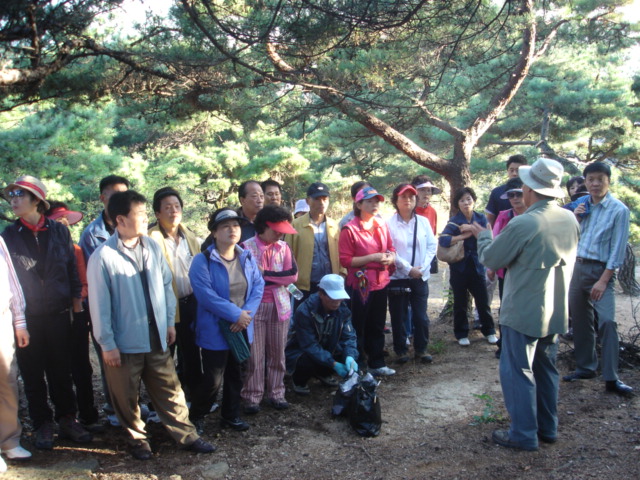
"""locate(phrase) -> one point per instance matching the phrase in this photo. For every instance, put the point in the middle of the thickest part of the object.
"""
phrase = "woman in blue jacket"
(228, 287)
(468, 274)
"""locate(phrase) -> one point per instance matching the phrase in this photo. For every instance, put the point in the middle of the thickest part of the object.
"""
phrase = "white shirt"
(180, 262)
(402, 237)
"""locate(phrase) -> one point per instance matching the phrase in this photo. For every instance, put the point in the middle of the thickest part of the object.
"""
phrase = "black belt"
(186, 299)
(589, 260)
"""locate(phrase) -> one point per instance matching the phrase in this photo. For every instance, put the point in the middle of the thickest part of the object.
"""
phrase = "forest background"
(208, 93)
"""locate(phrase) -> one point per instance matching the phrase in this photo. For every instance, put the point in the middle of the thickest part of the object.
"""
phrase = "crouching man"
(133, 308)
(322, 340)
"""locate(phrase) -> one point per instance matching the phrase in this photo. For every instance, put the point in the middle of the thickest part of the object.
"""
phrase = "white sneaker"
(17, 453)
(382, 372)
(3, 466)
(492, 339)
(464, 342)
(214, 407)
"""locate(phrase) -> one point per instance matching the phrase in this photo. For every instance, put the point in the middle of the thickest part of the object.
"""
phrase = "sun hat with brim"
(32, 184)
(408, 188)
(366, 193)
(333, 286)
(301, 206)
(434, 190)
(505, 195)
(282, 227)
(543, 177)
(73, 217)
(513, 185)
(226, 215)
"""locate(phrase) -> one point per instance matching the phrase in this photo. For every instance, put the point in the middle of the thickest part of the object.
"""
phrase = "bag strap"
(415, 234)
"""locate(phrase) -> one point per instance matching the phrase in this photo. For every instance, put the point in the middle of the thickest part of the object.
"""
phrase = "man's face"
(170, 214)
(254, 201)
(272, 196)
(318, 205)
(328, 303)
(424, 196)
(597, 184)
(134, 224)
(512, 170)
(110, 190)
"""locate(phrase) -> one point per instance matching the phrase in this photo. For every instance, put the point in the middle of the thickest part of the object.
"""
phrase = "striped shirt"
(604, 231)
(11, 296)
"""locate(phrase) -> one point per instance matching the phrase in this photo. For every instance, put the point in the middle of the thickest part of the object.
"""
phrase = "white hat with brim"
(333, 285)
(434, 190)
(543, 177)
(32, 184)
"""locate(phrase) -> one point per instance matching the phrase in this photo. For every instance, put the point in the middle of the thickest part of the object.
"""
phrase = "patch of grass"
(490, 413)
(437, 346)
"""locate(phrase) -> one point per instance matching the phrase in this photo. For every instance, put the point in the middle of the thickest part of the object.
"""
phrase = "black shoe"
(200, 446)
(545, 439)
(328, 380)
(402, 359)
(70, 428)
(578, 376)
(279, 404)
(236, 424)
(141, 450)
(501, 437)
(251, 409)
(426, 358)
(616, 386)
(44, 436)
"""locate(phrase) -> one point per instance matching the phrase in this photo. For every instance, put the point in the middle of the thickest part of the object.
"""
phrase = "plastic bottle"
(294, 291)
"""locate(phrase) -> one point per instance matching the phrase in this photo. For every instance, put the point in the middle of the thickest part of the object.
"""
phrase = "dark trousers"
(48, 355)
(81, 370)
(306, 368)
(368, 321)
(189, 360)
(470, 280)
(218, 365)
(399, 301)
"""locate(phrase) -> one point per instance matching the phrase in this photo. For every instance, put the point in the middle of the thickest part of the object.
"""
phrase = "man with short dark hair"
(322, 340)
(272, 192)
(179, 246)
(133, 309)
(604, 227)
(538, 247)
(495, 204)
(315, 247)
(251, 199)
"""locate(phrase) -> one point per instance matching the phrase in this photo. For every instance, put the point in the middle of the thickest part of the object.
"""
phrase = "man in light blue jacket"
(133, 308)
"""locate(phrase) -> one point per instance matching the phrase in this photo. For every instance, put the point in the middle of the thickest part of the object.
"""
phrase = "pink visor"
(282, 227)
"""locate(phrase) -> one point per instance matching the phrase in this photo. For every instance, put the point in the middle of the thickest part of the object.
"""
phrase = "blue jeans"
(399, 302)
(529, 380)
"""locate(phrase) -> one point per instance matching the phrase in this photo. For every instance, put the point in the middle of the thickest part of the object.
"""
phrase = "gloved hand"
(351, 364)
(340, 369)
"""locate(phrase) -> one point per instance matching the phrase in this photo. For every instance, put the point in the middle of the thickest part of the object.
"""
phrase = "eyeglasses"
(17, 193)
(514, 194)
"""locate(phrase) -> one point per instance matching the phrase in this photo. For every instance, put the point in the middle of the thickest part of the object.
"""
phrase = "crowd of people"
(267, 295)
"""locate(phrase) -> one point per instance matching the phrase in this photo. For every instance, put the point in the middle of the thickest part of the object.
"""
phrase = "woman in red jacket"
(367, 252)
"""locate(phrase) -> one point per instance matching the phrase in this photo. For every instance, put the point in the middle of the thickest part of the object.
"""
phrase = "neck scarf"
(38, 227)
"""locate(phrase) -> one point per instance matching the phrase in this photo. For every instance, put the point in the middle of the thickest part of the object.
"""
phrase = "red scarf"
(39, 227)
(422, 210)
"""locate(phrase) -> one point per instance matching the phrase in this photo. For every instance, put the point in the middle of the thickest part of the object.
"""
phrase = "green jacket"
(158, 235)
(538, 248)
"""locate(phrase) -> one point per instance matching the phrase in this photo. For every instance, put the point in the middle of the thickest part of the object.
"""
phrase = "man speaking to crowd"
(538, 249)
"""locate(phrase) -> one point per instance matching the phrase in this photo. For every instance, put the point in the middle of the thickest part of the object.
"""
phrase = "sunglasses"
(17, 193)
(514, 194)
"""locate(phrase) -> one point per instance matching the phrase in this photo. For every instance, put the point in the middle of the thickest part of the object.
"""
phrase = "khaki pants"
(157, 371)
(10, 428)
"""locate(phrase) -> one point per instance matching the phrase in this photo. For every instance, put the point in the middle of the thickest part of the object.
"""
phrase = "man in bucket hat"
(539, 249)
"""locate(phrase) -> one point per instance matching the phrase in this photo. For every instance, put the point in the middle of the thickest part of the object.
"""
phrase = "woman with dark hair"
(228, 287)
(415, 247)
(468, 274)
(368, 254)
(271, 324)
(42, 254)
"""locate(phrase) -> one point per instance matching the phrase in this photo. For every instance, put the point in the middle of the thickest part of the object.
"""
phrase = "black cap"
(318, 189)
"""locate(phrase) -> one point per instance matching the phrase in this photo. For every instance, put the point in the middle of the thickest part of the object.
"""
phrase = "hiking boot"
(44, 436)
(382, 372)
(301, 389)
(70, 428)
(328, 380)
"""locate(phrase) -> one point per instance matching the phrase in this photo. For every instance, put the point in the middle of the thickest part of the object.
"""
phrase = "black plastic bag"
(364, 409)
(343, 395)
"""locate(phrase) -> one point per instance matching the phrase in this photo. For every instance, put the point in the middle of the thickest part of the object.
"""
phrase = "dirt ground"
(437, 423)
